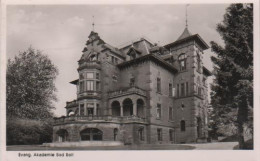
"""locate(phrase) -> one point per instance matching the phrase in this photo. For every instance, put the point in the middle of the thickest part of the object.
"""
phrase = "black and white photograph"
(87, 78)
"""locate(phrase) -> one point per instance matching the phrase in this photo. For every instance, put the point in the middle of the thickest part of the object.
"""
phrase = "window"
(97, 86)
(199, 91)
(81, 109)
(97, 75)
(116, 61)
(204, 81)
(170, 90)
(187, 88)
(170, 113)
(114, 78)
(90, 75)
(183, 128)
(198, 61)
(97, 109)
(182, 61)
(178, 91)
(113, 59)
(115, 134)
(171, 135)
(98, 56)
(90, 109)
(90, 85)
(81, 76)
(81, 86)
(182, 90)
(132, 56)
(158, 111)
(159, 134)
(141, 133)
(159, 85)
(93, 57)
(132, 81)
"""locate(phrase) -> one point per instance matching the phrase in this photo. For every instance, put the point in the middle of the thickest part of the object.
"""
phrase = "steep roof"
(187, 36)
(114, 50)
(186, 33)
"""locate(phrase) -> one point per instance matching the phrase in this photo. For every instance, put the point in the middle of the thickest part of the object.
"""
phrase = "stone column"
(85, 109)
(134, 109)
(121, 111)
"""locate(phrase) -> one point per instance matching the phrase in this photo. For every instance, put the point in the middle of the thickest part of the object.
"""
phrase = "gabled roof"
(135, 50)
(151, 57)
(113, 49)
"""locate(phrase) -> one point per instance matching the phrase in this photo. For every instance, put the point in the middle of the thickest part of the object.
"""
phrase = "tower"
(191, 89)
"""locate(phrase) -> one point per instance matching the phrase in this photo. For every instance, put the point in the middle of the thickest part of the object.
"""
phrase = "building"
(139, 94)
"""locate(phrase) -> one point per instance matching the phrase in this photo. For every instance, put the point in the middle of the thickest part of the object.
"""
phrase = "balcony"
(90, 65)
(89, 119)
(127, 91)
(89, 94)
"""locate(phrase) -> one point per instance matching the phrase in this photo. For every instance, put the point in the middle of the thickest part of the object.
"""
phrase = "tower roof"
(186, 33)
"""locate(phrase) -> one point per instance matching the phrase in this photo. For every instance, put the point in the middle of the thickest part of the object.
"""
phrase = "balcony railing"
(127, 91)
(118, 119)
(90, 64)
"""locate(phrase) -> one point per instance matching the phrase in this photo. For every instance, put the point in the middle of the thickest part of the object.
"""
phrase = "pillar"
(134, 109)
(121, 110)
(95, 109)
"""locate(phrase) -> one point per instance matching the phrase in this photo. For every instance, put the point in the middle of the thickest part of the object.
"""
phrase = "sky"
(61, 31)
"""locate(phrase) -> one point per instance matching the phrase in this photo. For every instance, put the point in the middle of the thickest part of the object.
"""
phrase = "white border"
(200, 155)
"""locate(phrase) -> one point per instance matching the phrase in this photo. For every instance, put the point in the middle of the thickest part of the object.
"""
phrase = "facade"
(139, 94)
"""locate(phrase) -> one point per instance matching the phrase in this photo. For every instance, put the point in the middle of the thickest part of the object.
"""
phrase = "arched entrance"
(140, 108)
(127, 107)
(91, 134)
(115, 108)
(62, 135)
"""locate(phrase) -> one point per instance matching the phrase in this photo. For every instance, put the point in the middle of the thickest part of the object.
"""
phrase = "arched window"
(93, 57)
(182, 61)
(198, 61)
(183, 128)
(115, 134)
(127, 107)
(71, 113)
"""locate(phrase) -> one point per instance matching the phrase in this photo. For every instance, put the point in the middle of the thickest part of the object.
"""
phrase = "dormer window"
(132, 81)
(93, 57)
(133, 56)
(182, 62)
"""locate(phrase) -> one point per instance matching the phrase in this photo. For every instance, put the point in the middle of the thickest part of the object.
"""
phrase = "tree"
(232, 91)
(30, 85)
